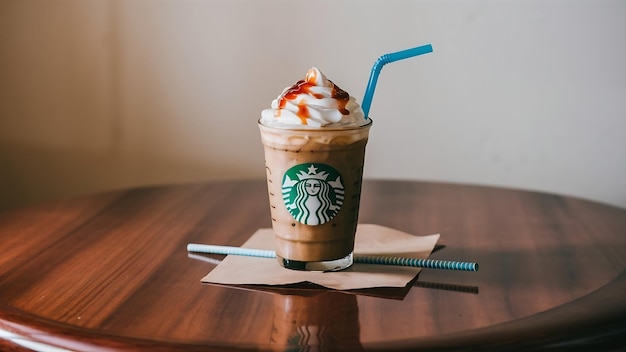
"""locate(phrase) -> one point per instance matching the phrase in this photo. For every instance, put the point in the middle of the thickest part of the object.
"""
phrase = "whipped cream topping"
(314, 102)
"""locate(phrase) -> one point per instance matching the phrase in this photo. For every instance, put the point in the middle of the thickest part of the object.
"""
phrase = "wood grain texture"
(111, 272)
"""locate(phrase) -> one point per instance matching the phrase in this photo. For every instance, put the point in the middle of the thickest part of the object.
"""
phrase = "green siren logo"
(313, 193)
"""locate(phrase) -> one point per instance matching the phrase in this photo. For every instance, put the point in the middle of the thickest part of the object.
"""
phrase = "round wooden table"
(111, 272)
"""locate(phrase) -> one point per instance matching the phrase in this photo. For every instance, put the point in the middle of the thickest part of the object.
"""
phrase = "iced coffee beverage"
(314, 138)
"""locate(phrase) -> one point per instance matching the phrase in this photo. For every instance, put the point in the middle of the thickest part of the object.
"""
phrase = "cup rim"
(321, 129)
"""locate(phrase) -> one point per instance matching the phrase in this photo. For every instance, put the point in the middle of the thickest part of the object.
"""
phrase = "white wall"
(104, 94)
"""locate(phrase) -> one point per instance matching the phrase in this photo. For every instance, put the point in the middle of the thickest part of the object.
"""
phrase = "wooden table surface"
(111, 272)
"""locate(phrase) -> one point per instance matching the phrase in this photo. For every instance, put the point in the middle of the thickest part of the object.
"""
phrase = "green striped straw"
(364, 259)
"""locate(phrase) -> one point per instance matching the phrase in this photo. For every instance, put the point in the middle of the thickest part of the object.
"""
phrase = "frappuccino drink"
(314, 138)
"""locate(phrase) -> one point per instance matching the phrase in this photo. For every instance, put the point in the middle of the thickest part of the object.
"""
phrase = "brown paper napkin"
(370, 240)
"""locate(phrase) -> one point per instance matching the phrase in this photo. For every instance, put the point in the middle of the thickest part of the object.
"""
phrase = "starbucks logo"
(313, 193)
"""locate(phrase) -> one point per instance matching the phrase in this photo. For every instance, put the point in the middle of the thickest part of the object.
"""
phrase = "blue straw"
(369, 259)
(378, 65)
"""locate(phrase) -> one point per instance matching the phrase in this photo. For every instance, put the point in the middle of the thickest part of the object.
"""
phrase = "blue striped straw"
(364, 259)
(378, 65)
(418, 263)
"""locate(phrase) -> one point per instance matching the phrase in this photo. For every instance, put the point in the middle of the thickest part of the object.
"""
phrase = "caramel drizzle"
(304, 86)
